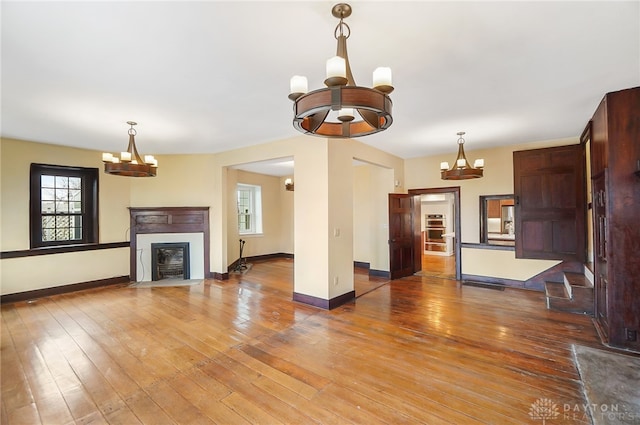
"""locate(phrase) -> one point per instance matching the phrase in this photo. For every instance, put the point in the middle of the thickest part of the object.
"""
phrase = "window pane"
(47, 181)
(76, 233)
(62, 194)
(62, 234)
(75, 207)
(75, 182)
(62, 182)
(48, 207)
(75, 195)
(75, 221)
(48, 222)
(62, 221)
(48, 235)
(62, 207)
(47, 194)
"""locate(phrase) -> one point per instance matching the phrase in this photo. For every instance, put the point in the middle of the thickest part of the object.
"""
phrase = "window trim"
(89, 204)
(256, 208)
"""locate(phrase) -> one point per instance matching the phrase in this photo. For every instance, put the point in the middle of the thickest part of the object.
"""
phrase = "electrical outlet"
(631, 334)
(335, 281)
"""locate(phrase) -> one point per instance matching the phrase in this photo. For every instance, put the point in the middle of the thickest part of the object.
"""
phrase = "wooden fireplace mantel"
(168, 220)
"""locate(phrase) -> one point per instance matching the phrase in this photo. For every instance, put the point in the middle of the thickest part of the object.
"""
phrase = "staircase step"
(555, 290)
(577, 279)
(559, 299)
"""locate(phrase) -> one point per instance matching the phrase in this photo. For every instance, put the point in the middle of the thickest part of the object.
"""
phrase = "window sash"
(64, 205)
(249, 205)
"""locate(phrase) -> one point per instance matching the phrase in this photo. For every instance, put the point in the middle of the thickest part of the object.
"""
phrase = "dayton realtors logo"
(543, 409)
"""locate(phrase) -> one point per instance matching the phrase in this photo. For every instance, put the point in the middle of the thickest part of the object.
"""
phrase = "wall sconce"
(288, 185)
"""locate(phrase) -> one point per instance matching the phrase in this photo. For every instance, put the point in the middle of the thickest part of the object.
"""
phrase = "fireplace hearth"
(170, 261)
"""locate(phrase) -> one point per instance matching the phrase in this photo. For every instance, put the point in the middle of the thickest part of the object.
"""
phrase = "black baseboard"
(361, 265)
(57, 290)
(255, 258)
(499, 282)
(325, 304)
(219, 276)
(380, 273)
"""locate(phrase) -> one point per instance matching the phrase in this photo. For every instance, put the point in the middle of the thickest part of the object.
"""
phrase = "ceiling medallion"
(357, 111)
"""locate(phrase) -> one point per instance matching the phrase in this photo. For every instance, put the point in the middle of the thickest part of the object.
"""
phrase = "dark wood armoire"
(614, 136)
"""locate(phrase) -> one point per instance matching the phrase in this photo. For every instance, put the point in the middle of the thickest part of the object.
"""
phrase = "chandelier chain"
(340, 27)
(132, 131)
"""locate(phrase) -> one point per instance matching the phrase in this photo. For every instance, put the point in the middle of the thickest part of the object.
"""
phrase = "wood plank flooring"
(438, 265)
(416, 350)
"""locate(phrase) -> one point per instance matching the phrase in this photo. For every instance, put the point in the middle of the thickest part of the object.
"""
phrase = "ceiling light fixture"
(461, 170)
(130, 164)
(288, 185)
(358, 111)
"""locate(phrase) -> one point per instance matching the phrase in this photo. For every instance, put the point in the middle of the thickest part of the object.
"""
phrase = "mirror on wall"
(497, 220)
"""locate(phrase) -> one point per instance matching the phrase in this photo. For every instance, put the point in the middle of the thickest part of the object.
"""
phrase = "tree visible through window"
(63, 205)
(249, 209)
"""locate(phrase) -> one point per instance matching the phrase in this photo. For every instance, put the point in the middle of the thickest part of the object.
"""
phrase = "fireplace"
(170, 261)
(169, 225)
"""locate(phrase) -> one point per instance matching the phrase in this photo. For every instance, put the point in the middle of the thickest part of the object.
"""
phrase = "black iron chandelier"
(461, 169)
(355, 110)
(130, 164)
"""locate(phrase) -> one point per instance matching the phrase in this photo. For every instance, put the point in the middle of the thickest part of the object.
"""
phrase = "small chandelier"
(461, 170)
(130, 164)
(358, 111)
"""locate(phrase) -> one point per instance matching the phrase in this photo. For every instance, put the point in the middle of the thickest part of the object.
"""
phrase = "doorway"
(439, 226)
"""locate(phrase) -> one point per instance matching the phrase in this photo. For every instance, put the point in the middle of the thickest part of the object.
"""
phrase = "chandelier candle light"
(358, 111)
(461, 170)
(130, 164)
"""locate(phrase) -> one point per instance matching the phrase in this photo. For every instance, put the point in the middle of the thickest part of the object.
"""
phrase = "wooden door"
(404, 235)
(549, 190)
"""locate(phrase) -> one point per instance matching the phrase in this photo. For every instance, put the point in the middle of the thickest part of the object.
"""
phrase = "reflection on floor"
(363, 283)
(439, 266)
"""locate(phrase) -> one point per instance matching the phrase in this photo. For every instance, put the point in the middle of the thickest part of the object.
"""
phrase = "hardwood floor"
(416, 350)
(439, 265)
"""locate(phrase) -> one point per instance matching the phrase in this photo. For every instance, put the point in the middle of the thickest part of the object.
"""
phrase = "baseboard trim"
(322, 303)
(219, 276)
(511, 283)
(263, 257)
(361, 265)
(57, 290)
(380, 273)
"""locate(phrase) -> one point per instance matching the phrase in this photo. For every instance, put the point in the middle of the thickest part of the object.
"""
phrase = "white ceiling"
(209, 76)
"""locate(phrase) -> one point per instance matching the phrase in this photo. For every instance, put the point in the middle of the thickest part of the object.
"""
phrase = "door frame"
(457, 225)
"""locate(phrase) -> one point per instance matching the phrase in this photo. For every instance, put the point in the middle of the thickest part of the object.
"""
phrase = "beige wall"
(275, 231)
(330, 194)
(421, 173)
(29, 273)
(322, 204)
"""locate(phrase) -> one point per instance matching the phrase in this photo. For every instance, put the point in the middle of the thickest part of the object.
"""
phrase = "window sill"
(62, 249)
(488, 246)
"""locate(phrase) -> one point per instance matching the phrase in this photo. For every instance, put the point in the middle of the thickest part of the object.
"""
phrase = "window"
(64, 205)
(497, 220)
(249, 209)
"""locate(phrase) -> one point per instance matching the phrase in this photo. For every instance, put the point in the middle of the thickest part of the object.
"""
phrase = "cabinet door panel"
(550, 203)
